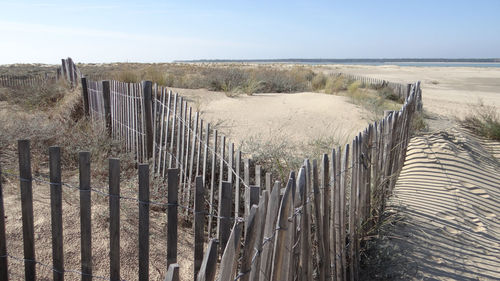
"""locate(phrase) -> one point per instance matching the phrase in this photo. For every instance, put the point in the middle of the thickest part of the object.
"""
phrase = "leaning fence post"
(172, 273)
(147, 87)
(27, 209)
(106, 94)
(4, 271)
(56, 212)
(85, 94)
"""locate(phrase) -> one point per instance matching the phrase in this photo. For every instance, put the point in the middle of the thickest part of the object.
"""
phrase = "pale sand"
(446, 91)
(449, 197)
(300, 117)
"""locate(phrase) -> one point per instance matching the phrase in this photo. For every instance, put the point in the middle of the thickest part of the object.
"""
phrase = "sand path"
(449, 196)
(299, 117)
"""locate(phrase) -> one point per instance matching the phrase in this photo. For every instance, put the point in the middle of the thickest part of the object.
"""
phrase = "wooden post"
(114, 219)
(107, 105)
(205, 154)
(143, 222)
(56, 212)
(4, 271)
(253, 200)
(209, 263)
(199, 224)
(172, 272)
(224, 226)
(27, 209)
(85, 95)
(172, 218)
(147, 91)
(85, 216)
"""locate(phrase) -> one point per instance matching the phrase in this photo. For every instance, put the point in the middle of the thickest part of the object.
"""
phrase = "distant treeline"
(319, 61)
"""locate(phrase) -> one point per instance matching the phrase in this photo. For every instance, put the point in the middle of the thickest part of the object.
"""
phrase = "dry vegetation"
(483, 120)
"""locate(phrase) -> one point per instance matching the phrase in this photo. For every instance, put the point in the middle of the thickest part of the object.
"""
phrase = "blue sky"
(162, 31)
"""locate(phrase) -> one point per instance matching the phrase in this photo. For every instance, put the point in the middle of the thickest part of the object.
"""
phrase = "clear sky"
(162, 31)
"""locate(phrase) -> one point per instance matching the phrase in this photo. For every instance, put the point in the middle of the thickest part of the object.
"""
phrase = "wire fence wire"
(96, 105)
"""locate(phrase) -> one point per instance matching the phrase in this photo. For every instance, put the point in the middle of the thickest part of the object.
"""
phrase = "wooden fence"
(67, 71)
(311, 228)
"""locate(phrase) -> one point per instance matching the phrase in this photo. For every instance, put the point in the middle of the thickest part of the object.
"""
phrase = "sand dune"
(449, 195)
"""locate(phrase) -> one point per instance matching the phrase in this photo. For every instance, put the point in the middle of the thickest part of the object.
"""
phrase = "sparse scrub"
(318, 82)
(484, 120)
(43, 96)
(336, 84)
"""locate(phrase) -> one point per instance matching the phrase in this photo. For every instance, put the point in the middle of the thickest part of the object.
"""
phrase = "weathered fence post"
(106, 94)
(114, 219)
(143, 222)
(173, 186)
(147, 87)
(224, 227)
(4, 271)
(56, 212)
(85, 95)
(27, 209)
(85, 216)
(199, 224)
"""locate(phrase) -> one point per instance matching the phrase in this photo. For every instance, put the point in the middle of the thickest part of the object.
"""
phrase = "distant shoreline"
(357, 61)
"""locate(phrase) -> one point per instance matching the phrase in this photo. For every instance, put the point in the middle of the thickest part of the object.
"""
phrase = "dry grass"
(59, 121)
(483, 120)
(279, 155)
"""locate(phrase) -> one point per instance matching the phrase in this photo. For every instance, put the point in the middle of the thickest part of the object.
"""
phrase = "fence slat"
(4, 270)
(237, 184)
(259, 243)
(114, 219)
(143, 222)
(172, 218)
(209, 263)
(270, 226)
(85, 216)
(212, 184)
(221, 179)
(56, 212)
(199, 224)
(281, 255)
(251, 226)
(27, 209)
(229, 261)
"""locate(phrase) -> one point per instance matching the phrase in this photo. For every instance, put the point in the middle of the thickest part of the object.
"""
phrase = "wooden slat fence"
(67, 71)
(331, 203)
